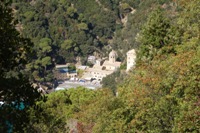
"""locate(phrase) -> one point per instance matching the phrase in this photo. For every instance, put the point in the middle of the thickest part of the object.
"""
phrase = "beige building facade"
(131, 59)
(103, 68)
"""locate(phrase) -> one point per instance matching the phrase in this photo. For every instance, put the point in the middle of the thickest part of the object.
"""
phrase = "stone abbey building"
(102, 68)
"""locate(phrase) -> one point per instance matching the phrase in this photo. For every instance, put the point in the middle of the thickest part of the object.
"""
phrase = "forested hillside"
(160, 95)
(69, 31)
(62, 31)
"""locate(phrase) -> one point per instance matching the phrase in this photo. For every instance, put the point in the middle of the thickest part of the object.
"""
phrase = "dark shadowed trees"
(16, 92)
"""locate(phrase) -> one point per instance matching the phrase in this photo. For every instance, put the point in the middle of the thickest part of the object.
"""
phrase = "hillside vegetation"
(69, 31)
(160, 95)
(63, 31)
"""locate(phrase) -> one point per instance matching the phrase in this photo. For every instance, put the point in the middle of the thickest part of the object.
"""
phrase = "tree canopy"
(162, 92)
(16, 91)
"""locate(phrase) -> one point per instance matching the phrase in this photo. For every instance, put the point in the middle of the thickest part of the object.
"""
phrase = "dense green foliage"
(55, 114)
(161, 94)
(64, 30)
(15, 88)
(113, 80)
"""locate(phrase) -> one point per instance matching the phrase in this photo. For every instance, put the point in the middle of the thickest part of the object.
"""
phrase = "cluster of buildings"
(62, 72)
(100, 69)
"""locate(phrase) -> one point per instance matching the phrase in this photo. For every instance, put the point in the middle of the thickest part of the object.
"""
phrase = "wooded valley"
(160, 95)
